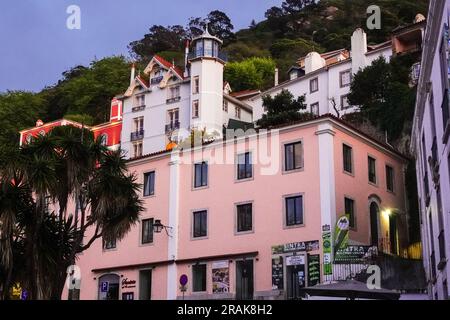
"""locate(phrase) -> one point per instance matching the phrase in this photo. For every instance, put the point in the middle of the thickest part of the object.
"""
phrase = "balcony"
(172, 126)
(220, 55)
(138, 108)
(173, 99)
(156, 80)
(442, 254)
(138, 135)
(446, 116)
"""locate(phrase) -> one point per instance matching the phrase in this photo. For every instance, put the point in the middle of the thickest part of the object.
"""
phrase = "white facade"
(431, 145)
(332, 90)
(169, 103)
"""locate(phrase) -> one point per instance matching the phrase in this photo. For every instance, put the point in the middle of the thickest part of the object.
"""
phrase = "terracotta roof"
(143, 81)
(244, 93)
(169, 65)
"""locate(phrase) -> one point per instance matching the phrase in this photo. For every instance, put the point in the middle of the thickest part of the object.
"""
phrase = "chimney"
(313, 62)
(186, 56)
(276, 76)
(359, 50)
(133, 73)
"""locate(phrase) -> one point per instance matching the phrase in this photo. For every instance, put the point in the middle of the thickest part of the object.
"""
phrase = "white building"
(165, 103)
(325, 79)
(430, 143)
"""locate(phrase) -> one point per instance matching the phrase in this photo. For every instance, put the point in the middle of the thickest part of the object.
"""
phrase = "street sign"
(104, 286)
(184, 280)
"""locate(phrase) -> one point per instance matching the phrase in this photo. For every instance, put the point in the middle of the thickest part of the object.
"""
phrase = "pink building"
(248, 217)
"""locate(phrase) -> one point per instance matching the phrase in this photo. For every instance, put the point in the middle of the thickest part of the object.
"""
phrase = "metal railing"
(208, 53)
(156, 80)
(173, 99)
(138, 135)
(172, 126)
(138, 108)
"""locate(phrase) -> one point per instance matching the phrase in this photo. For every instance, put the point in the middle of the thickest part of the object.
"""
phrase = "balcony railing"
(208, 53)
(442, 254)
(172, 126)
(156, 80)
(173, 99)
(138, 135)
(138, 108)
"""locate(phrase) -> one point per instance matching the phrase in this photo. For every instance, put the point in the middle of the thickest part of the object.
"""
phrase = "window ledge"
(293, 171)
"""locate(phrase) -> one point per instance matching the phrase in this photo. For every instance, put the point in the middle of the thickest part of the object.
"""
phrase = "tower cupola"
(207, 46)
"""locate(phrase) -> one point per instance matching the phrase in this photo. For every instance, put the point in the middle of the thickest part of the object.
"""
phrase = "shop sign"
(326, 239)
(341, 232)
(354, 254)
(295, 260)
(277, 273)
(313, 270)
(128, 283)
(296, 246)
(220, 277)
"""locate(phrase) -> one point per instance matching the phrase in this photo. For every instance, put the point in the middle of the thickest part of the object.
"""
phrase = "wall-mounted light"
(158, 227)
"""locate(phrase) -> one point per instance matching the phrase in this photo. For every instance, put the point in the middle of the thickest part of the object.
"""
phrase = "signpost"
(183, 283)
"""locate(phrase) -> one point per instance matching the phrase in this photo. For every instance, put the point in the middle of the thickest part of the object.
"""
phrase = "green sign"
(341, 233)
(326, 240)
(313, 270)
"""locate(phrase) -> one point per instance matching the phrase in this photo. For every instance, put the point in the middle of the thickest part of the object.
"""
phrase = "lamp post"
(158, 227)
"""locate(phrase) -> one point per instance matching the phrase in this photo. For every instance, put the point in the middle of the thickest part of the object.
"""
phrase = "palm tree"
(66, 166)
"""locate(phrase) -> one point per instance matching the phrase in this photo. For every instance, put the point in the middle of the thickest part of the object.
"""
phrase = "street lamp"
(158, 227)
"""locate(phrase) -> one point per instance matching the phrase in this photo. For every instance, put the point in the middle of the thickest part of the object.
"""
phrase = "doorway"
(108, 287)
(393, 231)
(244, 280)
(374, 213)
(295, 281)
(145, 285)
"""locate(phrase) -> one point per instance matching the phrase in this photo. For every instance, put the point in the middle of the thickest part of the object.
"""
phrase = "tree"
(283, 109)
(66, 166)
(252, 73)
(295, 6)
(382, 91)
(219, 25)
(159, 38)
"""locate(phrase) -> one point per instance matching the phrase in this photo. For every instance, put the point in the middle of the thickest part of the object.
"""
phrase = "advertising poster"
(277, 273)
(220, 277)
(313, 270)
(326, 238)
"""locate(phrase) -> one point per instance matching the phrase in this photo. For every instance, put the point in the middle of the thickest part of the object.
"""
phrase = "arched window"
(108, 287)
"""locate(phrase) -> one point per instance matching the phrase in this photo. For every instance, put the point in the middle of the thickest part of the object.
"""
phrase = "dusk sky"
(36, 46)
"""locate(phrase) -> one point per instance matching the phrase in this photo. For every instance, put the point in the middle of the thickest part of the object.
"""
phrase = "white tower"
(206, 69)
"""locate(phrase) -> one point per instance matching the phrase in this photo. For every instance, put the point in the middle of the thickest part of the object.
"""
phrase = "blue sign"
(184, 280)
(104, 286)
(24, 295)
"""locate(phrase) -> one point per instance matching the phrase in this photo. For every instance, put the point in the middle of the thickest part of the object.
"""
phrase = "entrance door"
(145, 285)
(295, 280)
(108, 287)
(393, 233)
(244, 280)
(374, 211)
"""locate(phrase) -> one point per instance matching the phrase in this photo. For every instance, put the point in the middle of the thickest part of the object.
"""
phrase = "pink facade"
(221, 258)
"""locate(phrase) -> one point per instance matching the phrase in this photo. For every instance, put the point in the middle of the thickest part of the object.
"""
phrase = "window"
(372, 170)
(293, 156)
(139, 101)
(315, 109)
(200, 224)
(348, 158)
(195, 109)
(314, 85)
(345, 78)
(237, 112)
(199, 278)
(294, 211)
(138, 124)
(350, 210)
(147, 231)
(225, 105)
(104, 139)
(244, 166)
(244, 217)
(149, 184)
(109, 245)
(390, 178)
(196, 85)
(137, 149)
(174, 116)
(344, 102)
(174, 94)
(200, 175)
